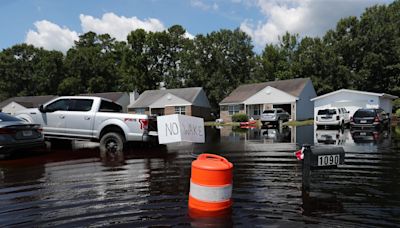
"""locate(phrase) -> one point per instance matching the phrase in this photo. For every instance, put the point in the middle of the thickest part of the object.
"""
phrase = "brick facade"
(224, 115)
(169, 110)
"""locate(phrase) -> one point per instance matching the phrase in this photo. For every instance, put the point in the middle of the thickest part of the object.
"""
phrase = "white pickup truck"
(91, 118)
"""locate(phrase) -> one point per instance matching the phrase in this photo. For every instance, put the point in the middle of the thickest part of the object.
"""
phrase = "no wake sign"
(180, 128)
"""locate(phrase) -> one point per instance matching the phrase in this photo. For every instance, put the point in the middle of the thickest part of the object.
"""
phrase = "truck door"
(53, 118)
(79, 121)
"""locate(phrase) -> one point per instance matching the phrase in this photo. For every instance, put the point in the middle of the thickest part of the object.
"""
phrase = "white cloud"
(204, 6)
(118, 26)
(188, 35)
(305, 17)
(51, 36)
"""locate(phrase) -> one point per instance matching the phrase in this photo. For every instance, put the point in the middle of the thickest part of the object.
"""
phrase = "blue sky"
(54, 24)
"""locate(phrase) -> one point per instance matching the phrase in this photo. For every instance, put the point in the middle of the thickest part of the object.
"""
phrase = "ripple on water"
(149, 187)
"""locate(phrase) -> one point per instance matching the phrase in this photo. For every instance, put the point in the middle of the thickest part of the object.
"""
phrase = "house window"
(180, 110)
(140, 110)
(233, 109)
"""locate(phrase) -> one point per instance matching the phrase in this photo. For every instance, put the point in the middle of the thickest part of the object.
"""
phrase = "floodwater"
(145, 187)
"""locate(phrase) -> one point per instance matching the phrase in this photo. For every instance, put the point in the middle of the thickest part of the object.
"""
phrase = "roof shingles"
(28, 101)
(148, 97)
(243, 92)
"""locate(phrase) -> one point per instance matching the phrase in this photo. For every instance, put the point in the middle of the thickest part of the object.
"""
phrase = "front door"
(53, 119)
(254, 111)
(80, 118)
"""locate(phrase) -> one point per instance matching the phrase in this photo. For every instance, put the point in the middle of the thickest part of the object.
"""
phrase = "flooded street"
(149, 186)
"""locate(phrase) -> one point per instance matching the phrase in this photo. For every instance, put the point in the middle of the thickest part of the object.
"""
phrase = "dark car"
(369, 118)
(16, 134)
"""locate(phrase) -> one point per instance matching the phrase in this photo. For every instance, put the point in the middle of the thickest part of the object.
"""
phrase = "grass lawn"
(300, 123)
(211, 123)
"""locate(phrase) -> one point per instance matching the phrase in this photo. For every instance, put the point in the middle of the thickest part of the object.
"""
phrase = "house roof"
(355, 91)
(113, 96)
(291, 86)
(148, 97)
(28, 101)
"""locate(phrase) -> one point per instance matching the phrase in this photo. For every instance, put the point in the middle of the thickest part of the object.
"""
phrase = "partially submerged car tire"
(112, 142)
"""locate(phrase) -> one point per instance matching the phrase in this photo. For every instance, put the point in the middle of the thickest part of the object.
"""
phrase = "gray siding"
(201, 100)
(305, 107)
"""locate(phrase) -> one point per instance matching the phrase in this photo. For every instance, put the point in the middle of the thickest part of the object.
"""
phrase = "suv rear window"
(327, 112)
(268, 111)
(365, 113)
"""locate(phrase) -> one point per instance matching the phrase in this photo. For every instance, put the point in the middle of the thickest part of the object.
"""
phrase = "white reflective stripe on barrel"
(210, 194)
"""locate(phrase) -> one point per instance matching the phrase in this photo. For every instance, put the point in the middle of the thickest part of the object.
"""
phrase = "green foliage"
(220, 61)
(361, 53)
(398, 113)
(396, 104)
(239, 117)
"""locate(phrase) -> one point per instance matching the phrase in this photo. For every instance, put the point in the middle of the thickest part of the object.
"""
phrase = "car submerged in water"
(16, 134)
(370, 118)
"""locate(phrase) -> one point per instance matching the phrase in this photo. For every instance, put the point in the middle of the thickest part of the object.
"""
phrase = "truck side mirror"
(42, 109)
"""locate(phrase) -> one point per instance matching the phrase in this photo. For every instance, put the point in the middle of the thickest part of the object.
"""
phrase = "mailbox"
(319, 158)
(326, 157)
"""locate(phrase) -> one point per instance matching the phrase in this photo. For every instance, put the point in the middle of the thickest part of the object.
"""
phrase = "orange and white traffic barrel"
(211, 183)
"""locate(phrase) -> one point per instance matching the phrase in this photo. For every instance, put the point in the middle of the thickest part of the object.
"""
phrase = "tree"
(91, 65)
(222, 61)
(27, 71)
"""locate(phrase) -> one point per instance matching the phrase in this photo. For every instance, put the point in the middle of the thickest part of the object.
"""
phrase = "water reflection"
(145, 187)
(286, 135)
(373, 136)
(368, 139)
(332, 137)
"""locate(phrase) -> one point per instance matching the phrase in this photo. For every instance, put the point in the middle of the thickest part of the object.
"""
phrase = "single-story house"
(292, 95)
(122, 98)
(186, 101)
(352, 100)
(15, 104)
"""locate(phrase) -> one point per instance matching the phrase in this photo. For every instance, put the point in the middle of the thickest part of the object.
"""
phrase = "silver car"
(274, 116)
(16, 134)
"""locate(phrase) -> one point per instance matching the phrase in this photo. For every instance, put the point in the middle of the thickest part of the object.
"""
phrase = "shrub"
(239, 117)
(396, 104)
(398, 113)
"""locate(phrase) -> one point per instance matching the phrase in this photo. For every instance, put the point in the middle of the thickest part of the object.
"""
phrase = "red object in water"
(252, 122)
(299, 154)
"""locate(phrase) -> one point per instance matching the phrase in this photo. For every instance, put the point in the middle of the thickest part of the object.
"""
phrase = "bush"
(239, 117)
(396, 104)
(398, 113)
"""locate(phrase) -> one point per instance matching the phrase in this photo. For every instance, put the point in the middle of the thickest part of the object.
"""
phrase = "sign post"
(180, 128)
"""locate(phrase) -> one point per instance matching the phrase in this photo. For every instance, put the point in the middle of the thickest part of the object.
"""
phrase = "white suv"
(332, 117)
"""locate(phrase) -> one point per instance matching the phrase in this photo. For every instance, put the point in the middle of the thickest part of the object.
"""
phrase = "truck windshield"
(327, 112)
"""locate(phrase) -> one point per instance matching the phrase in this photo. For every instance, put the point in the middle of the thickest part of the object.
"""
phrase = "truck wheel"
(112, 142)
